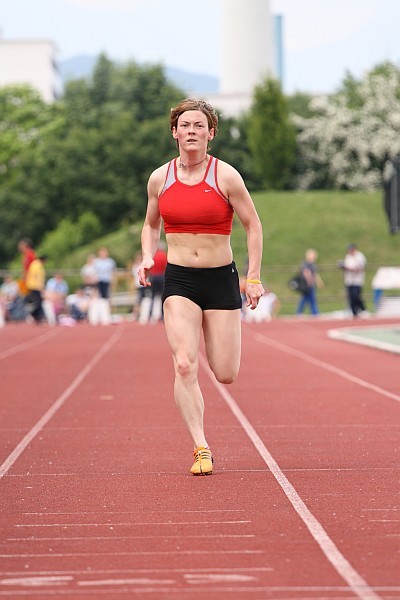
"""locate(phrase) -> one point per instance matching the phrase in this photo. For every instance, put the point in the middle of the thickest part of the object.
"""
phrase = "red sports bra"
(199, 208)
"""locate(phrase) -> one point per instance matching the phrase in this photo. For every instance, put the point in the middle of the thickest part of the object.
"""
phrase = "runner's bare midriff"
(199, 250)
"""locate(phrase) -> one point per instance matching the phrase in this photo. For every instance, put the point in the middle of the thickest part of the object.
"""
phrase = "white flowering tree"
(350, 138)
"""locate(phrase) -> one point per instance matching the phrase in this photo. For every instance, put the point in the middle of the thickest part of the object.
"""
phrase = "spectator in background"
(104, 267)
(151, 305)
(267, 309)
(309, 271)
(25, 247)
(9, 293)
(78, 304)
(35, 285)
(55, 293)
(100, 306)
(354, 265)
(89, 273)
(28, 254)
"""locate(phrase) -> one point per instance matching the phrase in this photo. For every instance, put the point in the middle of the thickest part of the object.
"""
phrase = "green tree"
(96, 149)
(299, 104)
(232, 146)
(349, 89)
(69, 235)
(271, 136)
(352, 135)
(101, 86)
(23, 120)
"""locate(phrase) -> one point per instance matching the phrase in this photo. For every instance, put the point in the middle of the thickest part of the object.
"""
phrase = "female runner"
(196, 195)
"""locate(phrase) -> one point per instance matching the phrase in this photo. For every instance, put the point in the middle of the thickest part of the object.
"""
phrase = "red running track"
(97, 500)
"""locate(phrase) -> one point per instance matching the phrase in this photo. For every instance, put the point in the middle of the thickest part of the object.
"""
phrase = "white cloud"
(311, 24)
(125, 5)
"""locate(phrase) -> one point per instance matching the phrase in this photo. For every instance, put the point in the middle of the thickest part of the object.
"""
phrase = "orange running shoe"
(203, 461)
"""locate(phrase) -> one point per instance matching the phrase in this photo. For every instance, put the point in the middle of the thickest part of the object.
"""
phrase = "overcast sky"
(322, 38)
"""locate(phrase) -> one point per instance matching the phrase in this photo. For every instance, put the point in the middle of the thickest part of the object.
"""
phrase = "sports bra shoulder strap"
(211, 173)
(211, 177)
(170, 178)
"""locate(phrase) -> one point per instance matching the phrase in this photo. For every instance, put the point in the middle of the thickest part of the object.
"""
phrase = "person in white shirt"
(88, 272)
(354, 265)
(104, 267)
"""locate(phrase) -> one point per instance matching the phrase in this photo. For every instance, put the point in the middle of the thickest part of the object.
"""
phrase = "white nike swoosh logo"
(207, 190)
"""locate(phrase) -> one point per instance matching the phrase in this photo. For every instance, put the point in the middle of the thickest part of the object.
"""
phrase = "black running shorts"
(211, 288)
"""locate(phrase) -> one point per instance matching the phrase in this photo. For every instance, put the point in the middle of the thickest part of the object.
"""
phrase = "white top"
(357, 261)
(89, 273)
(104, 268)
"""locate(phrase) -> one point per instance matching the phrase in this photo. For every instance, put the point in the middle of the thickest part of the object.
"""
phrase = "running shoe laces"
(203, 461)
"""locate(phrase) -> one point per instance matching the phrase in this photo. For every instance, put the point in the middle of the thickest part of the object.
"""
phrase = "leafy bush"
(69, 235)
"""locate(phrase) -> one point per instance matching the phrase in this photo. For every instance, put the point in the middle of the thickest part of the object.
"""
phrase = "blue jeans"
(311, 299)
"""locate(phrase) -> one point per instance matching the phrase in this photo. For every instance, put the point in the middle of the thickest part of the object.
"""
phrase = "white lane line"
(221, 470)
(127, 537)
(209, 588)
(206, 551)
(16, 453)
(135, 581)
(379, 509)
(131, 524)
(359, 586)
(36, 581)
(27, 345)
(135, 571)
(384, 520)
(328, 367)
(132, 512)
(241, 589)
(132, 591)
(199, 578)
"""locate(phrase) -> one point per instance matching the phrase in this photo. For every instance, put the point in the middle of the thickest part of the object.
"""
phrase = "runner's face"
(192, 130)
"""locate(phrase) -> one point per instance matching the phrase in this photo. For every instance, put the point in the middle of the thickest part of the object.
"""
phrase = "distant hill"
(77, 67)
(81, 66)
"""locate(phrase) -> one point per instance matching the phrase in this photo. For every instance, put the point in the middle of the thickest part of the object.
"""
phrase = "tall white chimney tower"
(248, 53)
(248, 45)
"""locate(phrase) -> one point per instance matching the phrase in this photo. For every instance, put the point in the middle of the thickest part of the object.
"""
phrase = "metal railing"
(275, 277)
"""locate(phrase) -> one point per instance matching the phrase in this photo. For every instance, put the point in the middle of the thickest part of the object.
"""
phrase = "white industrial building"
(31, 62)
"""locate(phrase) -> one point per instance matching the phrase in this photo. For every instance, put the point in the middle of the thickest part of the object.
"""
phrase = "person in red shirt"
(157, 273)
(28, 254)
(25, 246)
(151, 310)
(195, 196)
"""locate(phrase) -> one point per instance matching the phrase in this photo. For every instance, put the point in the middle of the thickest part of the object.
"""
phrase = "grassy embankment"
(293, 222)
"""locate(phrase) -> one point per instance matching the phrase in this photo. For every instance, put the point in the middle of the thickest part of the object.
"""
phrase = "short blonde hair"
(194, 104)
(311, 255)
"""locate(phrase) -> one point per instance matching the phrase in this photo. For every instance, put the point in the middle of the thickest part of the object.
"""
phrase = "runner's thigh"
(222, 336)
(183, 321)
